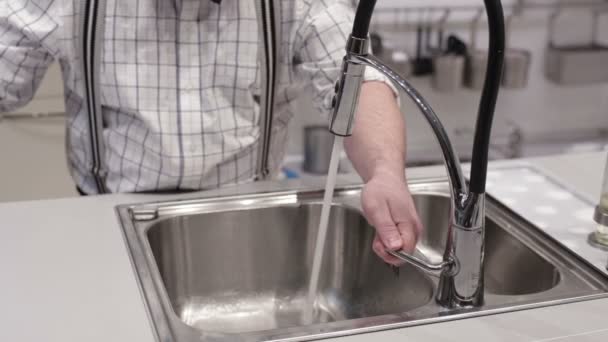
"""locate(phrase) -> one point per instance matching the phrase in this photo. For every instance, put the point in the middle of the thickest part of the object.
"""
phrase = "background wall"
(32, 150)
(545, 112)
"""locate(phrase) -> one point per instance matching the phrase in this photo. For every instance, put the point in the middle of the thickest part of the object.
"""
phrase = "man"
(177, 85)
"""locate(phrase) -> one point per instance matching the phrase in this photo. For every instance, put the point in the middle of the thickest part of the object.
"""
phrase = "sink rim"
(167, 325)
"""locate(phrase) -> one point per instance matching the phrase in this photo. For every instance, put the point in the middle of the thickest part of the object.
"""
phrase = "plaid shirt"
(179, 83)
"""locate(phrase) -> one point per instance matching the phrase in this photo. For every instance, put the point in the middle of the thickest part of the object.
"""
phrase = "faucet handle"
(420, 261)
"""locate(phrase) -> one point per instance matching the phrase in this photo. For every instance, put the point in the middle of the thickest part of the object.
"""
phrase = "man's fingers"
(378, 214)
(407, 223)
(408, 236)
(380, 250)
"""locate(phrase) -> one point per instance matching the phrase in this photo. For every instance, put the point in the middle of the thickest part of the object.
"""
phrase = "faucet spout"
(461, 272)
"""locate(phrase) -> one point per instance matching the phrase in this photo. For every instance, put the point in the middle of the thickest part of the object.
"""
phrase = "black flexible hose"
(487, 105)
(363, 18)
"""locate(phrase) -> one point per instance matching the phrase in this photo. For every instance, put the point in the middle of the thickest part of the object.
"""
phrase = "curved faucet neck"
(487, 104)
(457, 180)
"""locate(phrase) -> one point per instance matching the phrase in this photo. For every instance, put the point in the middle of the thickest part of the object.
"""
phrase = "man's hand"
(388, 206)
(377, 150)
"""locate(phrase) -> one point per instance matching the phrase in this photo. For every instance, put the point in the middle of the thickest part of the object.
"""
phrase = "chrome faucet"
(461, 271)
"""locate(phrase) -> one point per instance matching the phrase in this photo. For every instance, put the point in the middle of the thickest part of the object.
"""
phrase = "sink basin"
(261, 259)
(236, 268)
(511, 267)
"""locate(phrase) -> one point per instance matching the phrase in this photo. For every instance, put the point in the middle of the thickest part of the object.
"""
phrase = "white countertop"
(66, 275)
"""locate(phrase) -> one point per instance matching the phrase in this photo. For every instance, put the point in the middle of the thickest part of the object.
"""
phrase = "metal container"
(477, 60)
(449, 73)
(517, 61)
(516, 70)
(475, 70)
(448, 67)
(318, 143)
(573, 65)
(576, 64)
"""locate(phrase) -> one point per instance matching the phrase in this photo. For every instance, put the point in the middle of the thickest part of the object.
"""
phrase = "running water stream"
(322, 231)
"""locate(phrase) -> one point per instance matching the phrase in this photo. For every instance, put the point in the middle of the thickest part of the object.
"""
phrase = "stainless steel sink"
(236, 268)
(247, 270)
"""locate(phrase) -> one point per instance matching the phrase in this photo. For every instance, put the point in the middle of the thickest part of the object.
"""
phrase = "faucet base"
(465, 245)
(448, 297)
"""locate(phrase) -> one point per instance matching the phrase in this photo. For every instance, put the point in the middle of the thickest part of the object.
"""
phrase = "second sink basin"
(238, 268)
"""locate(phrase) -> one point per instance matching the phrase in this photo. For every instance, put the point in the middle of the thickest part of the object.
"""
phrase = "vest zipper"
(266, 21)
(92, 29)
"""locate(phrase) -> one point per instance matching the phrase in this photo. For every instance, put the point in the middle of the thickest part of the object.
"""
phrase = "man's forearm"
(378, 141)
